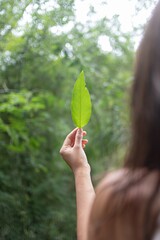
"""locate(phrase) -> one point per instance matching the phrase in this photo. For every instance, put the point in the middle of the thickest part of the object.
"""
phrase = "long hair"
(128, 208)
(145, 101)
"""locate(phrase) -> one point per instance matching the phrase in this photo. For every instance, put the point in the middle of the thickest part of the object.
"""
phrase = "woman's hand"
(72, 150)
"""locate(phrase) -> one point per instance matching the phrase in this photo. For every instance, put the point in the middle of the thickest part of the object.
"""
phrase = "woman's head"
(128, 208)
(145, 102)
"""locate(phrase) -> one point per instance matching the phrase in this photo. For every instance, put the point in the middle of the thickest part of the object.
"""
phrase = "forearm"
(84, 197)
(73, 153)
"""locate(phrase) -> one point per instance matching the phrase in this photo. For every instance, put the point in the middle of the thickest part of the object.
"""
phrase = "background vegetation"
(40, 58)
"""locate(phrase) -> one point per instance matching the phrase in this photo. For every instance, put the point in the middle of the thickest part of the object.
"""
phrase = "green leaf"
(81, 103)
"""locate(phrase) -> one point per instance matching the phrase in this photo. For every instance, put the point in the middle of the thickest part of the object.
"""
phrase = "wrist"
(85, 170)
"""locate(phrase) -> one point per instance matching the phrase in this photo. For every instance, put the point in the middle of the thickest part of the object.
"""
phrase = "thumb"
(78, 138)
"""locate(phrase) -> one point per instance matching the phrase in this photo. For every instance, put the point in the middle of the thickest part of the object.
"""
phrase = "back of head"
(145, 102)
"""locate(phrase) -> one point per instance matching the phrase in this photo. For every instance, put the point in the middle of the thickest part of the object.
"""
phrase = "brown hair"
(145, 102)
(128, 208)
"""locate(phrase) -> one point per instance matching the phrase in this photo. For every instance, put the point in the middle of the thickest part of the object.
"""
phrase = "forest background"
(39, 63)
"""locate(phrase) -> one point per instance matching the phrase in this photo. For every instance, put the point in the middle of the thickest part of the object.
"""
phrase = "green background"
(38, 69)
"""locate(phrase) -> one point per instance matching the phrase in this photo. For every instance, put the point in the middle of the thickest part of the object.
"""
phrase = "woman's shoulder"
(111, 178)
(123, 178)
(121, 203)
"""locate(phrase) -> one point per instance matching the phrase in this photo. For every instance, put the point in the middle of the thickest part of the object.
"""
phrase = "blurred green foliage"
(39, 63)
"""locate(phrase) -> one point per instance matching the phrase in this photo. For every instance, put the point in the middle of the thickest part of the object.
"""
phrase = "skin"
(72, 151)
(90, 206)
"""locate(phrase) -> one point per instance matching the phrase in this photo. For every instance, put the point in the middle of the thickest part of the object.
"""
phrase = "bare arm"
(84, 198)
(73, 153)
